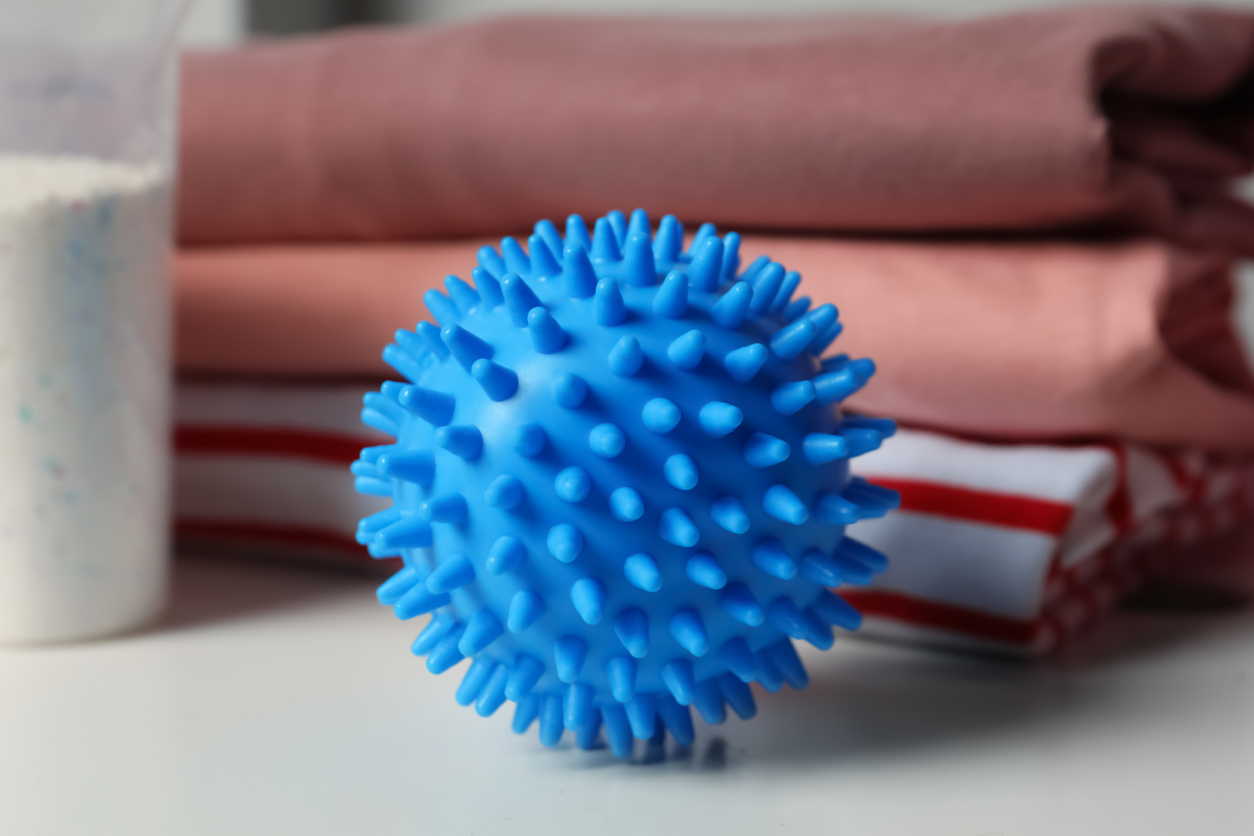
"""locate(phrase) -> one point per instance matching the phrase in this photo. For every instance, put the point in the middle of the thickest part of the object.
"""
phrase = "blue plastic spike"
(704, 570)
(852, 573)
(608, 307)
(375, 487)
(621, 673)
(782, 504)
(791, 280)
(835, 610)
(738, 696)
(497, 382)
(418, 601)
(766, 285)
(680, 471)
(704, 233)
(578, 702)
(606, 440)
(414, 345)
(860, 441)
(821, 448)
(785, 656)
(618, 223)
(730, 310)
(403, 361)
(417, 466)
(818, 631)
(445, 654)
(762, 450)
(569, 390)
(430, 336)
(638, 224)
(465, 346)
(669, 241)
(453, 573)
(739, 603)
(825, 338)
(743, 363)
(547, 231)
(642, 572)
(369, 526)
(822, 317)
(523, 677)
(755, 267)
(676, 528)
(872, 499)
(588, 596)
(528, 439)
(605, 242)
(516, 258)
(833, 509)
(626, 357)
(445, 508)
(525, 713)
(547, 337)
(465, 442)
(493, 696)
(770, 677)
(771, 557)
(472, 683)
(617, 730)
(626, 504)
(543, 261)
(385, 405)
(784, 616)
(519, 298)
(638, 266)
(730, 514)
(718, 419)
(504, 492)
(795, 309)
(688, 629)
(441, 307)
(587, 737)
(834, 363)
(409, 533)
(791, 340)
(642, 714)
(671, 299)
(569, 653)
(577, 232)
(862, 553)
(678, 677)
(572, 484)
(886, 427)
(677, 719)
(731, 256)
(816, 567)
(437, 628)
(436, 408)
(578, 274)
(632, 628)
(565, 542)
(462, 294)
(738, 658)
(707, 264)
(490, 260)
(482, 629)
(395, 587)
(660, 415)
(551, 720)
(838, 385)
(525, 609)
(708, 702)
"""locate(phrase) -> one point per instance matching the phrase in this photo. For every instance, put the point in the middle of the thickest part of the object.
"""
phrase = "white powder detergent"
(84, 391)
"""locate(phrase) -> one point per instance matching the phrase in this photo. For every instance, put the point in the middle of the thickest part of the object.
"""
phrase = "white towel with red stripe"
(997, 547)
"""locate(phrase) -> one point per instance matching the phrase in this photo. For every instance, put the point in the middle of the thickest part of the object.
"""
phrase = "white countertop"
(278, 700)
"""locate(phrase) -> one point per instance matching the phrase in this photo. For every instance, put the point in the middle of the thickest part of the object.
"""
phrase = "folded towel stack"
(1051, 316)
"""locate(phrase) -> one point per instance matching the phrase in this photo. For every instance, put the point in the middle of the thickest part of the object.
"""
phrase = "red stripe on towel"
(904, 608)
(1009, 510)
(288, 442)
(275, 533)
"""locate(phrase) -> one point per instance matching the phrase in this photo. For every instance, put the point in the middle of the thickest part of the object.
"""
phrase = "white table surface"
(278, 700)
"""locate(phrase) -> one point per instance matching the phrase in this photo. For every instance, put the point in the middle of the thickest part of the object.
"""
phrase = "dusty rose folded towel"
(1126, 117)
(1025, 340)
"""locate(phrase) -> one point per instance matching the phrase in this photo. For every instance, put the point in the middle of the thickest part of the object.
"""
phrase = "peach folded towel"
(1016, 341)
(1133, 118)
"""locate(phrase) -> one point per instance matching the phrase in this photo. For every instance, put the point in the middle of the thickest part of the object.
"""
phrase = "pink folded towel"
(1014, 341)
(1133, 118)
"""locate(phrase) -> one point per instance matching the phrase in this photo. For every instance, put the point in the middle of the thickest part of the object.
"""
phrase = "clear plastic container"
(87, 129)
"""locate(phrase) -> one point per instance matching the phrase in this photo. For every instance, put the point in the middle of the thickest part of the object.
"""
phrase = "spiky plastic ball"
(620, 479)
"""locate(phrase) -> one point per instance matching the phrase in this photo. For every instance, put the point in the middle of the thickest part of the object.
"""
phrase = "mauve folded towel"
(1005, 340)
(1134, 118)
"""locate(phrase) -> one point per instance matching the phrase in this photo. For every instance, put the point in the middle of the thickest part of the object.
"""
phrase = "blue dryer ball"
(620, 480)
